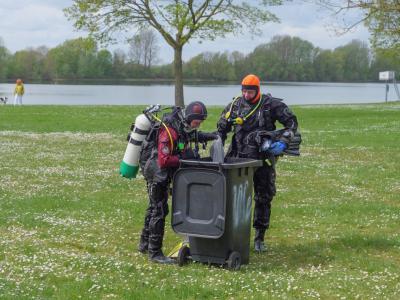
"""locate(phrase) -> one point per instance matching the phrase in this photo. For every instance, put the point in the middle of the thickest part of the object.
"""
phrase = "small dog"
(3, 100)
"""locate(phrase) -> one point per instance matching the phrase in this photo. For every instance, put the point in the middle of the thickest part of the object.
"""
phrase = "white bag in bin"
(217, 151)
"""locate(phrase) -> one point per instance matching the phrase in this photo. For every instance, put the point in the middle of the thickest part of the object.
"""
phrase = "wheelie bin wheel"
(183, 255)
(234, 261)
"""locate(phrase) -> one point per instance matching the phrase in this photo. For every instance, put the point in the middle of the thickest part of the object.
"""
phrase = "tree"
(210, 66)
(73, 59)
(177, 21)
(27, 63)
(118, 67)
(356, 60)
(237, 59)
(328, 66)
(104, 63)
(284, 58)
(384, 60)
(382, 17)
(4, 58)
(143, 48)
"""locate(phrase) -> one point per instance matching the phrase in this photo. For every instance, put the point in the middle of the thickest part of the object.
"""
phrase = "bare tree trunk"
(179, 101)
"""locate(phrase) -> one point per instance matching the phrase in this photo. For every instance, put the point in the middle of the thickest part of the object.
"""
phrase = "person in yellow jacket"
(19, 92)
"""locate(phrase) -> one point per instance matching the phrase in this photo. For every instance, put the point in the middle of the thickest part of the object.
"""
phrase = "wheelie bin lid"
(229, 163)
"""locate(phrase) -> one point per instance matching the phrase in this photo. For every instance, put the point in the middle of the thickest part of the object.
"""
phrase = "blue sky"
(33, 23)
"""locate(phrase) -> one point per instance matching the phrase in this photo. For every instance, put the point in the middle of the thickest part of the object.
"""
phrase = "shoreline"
(171, 81)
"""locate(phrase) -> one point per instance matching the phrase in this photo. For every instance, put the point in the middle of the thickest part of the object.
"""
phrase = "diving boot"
(143, 247)
(259, 245)
(143, 244)
(160, 258)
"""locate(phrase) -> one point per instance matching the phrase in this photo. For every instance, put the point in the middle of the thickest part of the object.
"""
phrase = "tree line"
(284, 58)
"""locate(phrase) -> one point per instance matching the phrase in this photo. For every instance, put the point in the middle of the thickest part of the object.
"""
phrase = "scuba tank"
(129, 166)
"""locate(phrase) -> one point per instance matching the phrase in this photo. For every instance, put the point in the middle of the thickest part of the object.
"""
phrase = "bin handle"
(221, 166)
(198, 163)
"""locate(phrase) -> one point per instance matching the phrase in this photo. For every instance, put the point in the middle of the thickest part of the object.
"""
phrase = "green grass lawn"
(69, 225)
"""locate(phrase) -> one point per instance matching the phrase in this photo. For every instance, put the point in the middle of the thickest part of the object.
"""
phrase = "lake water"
(292, 93)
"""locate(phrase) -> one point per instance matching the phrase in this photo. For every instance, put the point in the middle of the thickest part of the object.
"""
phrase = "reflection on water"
(297, 93)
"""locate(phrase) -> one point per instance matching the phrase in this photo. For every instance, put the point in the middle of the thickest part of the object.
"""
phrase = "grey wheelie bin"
(211, 204)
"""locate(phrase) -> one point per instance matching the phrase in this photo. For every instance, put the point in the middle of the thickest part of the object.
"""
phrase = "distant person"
(252, 116)
(19, 91)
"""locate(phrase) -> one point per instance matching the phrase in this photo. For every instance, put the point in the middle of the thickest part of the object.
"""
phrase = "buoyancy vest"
(169, 120)
(255, 118)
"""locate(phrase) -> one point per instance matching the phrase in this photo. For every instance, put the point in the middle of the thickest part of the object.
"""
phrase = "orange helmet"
(19, 81)
(252, 82)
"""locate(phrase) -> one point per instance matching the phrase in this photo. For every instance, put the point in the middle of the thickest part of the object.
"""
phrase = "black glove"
(206, 136)
(188, 154)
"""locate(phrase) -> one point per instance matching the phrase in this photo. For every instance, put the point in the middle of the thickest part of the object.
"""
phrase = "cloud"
(324, 37)
(33, 23)
(305, 20)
